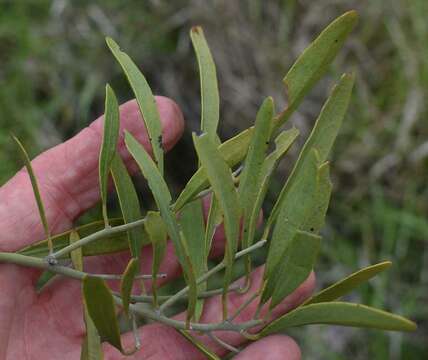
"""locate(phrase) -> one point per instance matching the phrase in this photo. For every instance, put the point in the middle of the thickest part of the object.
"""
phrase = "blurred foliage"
(54, 64)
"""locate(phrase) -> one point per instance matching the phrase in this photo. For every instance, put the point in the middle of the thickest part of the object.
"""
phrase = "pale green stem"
(149, 298)
(39, 263)
(242, 307)
(155, 316)
(210, 272)
(95, 236)
(223, 343)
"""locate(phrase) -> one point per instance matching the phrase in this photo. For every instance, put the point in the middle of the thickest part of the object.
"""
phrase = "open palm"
(50, 325)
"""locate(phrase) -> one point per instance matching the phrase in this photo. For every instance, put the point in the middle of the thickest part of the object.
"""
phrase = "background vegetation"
(54, 64)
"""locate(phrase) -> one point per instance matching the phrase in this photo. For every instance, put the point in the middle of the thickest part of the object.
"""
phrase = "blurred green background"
(54, 66)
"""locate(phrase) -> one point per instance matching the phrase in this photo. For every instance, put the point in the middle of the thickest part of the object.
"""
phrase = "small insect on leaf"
(100, 305)
(340, 313)
(348, 284)
(36, 192)
(315, 61)
(108, 145)
(127, 283)
(220, 178)
(210, 100)
(145, 100)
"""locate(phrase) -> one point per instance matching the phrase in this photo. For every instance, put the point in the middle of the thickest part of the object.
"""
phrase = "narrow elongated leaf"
(293, 212)
(220, 178)
(77, 254)
(283, 143)
(322, 136)
(163, 199)
(127, 282)
(340, 313)
(314, 62)
(100, 304)
(348, 284)
(91, 347)
(210, 100)
(296, 265)
(145, 100)
(232, 151)
(316, 216)
(36, 191)
(113, 243)
(193, 227)
(129, 204)
(210, 355)
(249, 181)
(108, 145)
(155, 228)
(215, 218)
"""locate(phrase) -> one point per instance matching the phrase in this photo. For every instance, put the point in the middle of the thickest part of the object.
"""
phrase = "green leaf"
(316, 216)
(36, 191)
(220, 178)
(340, 313)
(193, 226)
(108, 145)
(314, 62)
(155, 228)
(210, 355)
(249, 181)
(91, 347)
(100, 304)
(322, 136)
(145, 100)
(232, 151)
(44, 279)
(129, 204)
(296, 264)
(215, 218)
(210, 101)
(127, 282)
(294, 208)
(348, 284)
(283, 143)
(76, 255)
(163, 199)
(111, 244)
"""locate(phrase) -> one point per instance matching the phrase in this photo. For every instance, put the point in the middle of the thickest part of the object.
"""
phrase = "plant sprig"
(291, 230)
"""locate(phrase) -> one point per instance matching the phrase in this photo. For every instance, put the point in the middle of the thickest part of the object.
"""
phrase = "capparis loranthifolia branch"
(39, 263)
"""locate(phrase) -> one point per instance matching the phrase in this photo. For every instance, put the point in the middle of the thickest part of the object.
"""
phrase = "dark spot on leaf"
(312, 229)
(336, 41)
(160, 142)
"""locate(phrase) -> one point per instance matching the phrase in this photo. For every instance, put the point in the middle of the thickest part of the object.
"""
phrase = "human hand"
(50, 325)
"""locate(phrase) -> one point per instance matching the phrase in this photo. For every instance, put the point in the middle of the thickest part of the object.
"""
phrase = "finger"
(68, 176)
(278, 347)
(160, 341)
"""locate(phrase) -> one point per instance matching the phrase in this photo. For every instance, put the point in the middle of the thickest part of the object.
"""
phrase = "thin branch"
(210, 272)
(155, 316)
(149, 298)
(223, 343)
(95, 236)
(39, 263)
(242, 307)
